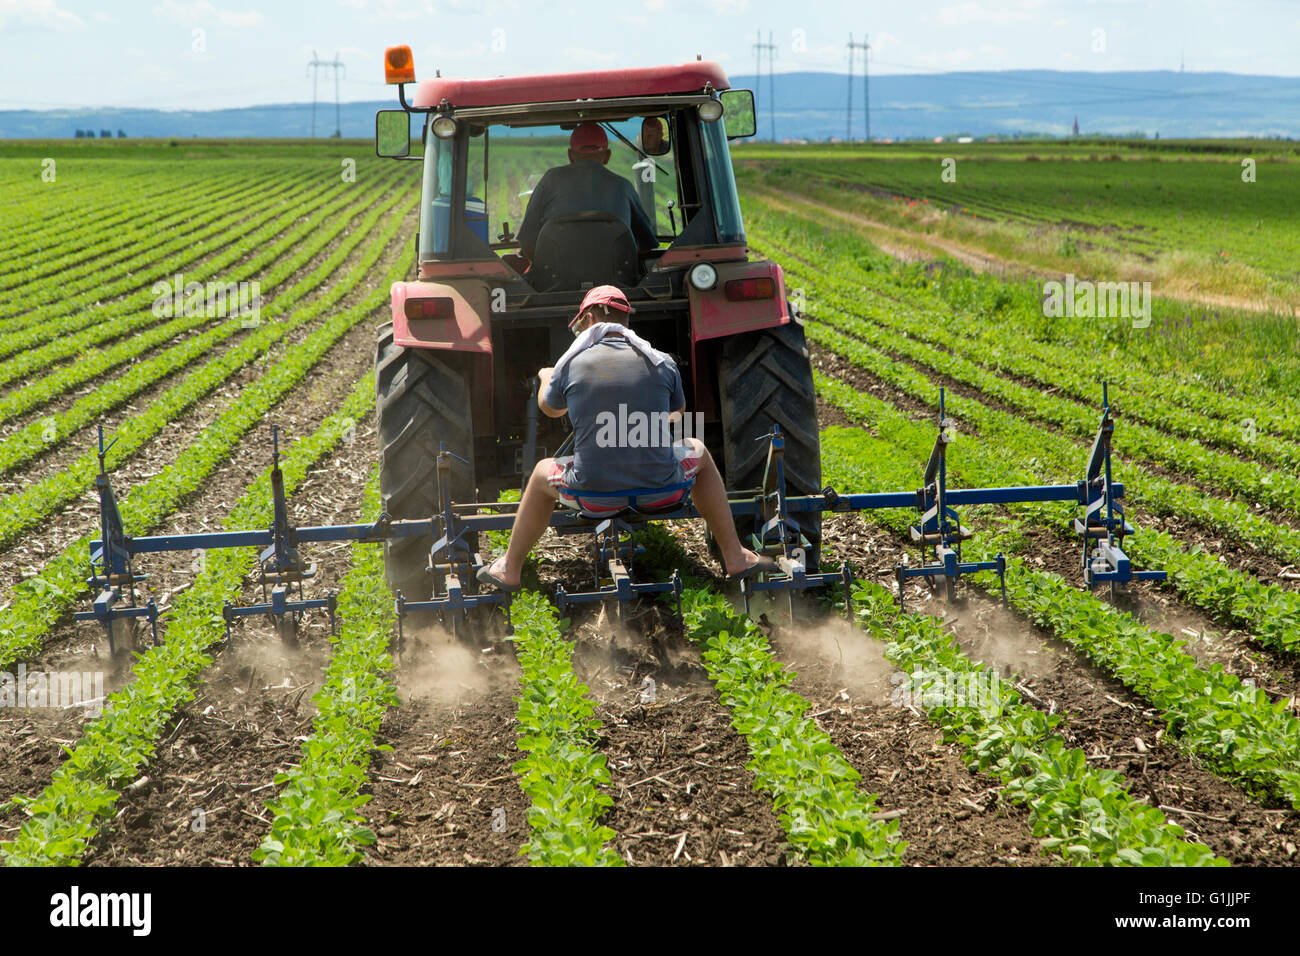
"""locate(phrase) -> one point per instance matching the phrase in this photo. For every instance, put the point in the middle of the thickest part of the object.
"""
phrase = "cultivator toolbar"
(453, 563)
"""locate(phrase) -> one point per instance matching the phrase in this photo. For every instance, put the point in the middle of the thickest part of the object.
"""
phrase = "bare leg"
(710, 497)
(532, 518)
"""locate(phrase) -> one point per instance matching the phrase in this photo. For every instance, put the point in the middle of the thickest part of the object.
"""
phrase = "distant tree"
(105, 134)
(121, 134)
(81, 134)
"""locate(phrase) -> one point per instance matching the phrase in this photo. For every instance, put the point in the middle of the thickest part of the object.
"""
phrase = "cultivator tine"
(401, 616)
(846, 575)
(1103, 527)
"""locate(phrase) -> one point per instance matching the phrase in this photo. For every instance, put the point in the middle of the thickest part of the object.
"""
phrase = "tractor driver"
(585, 185)
(607, 366)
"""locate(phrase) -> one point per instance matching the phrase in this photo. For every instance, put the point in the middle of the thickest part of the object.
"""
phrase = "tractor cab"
(488, 145)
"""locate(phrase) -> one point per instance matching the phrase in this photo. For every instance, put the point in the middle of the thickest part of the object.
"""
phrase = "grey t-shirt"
(616, 448)
(585, 186)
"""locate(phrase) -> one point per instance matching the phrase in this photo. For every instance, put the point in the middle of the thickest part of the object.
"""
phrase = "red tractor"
(468, 335)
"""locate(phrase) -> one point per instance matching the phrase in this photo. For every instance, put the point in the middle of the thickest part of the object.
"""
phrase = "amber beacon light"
(399, 65)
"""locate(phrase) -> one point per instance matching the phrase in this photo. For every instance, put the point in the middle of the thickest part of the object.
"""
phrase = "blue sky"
(207, 54)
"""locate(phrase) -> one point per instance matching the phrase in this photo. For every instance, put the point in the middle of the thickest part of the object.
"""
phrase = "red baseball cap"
(607, 295)
(588, 138)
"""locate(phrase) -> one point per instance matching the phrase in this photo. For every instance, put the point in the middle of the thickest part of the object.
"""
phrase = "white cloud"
(37, 14)
(201, 11)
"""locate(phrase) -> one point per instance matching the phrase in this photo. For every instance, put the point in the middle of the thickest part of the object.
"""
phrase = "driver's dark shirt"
(586, 186)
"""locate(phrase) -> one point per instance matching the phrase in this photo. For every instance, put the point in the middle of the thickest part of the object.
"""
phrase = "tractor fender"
(457, 320)
(437, 315)
(714, 315)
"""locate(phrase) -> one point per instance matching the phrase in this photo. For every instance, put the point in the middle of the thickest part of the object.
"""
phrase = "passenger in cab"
(585, 185)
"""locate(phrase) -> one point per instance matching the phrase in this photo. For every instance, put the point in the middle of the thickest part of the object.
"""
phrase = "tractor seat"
(584, 249)
(628, 503)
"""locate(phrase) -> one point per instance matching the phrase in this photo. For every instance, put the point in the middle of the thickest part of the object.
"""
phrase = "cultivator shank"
(453, 563)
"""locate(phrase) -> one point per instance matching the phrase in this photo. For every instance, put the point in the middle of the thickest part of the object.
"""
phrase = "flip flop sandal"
(485, 576)
(763, 565)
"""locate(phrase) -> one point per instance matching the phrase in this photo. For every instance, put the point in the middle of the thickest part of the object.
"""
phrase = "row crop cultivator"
(453, 563)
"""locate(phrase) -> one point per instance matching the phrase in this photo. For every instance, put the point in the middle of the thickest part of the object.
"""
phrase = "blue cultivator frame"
(938, 533)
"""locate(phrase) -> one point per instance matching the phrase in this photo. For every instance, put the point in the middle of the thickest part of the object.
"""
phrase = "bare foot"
(498, 570)
(747, 560)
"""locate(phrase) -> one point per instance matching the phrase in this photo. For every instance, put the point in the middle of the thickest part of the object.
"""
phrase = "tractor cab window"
(722, 183)
(521, 156)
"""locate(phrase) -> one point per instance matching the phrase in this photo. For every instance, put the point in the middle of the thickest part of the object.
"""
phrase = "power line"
(316, 65)
(770, 48)
(866, 93)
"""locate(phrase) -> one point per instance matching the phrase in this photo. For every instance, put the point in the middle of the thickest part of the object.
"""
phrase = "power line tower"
(864, 46)
(316, 65)
(770, 48)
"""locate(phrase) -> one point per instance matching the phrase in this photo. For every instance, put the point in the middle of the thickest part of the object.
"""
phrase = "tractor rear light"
(399, 65)
(433, 307)
(739, 290)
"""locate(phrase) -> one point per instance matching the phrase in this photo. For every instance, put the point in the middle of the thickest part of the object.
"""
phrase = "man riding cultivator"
(609, 366)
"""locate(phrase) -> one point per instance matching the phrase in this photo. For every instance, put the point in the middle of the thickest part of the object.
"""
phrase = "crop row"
(562, 772)
(23, 509)
(1086, 815)
(41, 222)
(39, 601)
(1139, 442)
(39, 435)
(75, 331)
(987, 310)
(102, 244)
(827, 819)
(316, 819)
(1161, 494)
(157, 261)
(1271, 611)
(1235, 728)
(66, 816)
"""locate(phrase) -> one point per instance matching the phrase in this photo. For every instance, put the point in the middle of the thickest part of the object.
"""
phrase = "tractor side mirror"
(393, 133)
(654, 136)
(738, 112)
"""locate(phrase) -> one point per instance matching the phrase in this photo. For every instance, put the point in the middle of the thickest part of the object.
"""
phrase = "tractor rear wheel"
(422, 398)
(765, 378)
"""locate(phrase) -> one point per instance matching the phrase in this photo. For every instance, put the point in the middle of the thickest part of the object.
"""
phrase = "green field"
(1177, 214)
(1160, 730)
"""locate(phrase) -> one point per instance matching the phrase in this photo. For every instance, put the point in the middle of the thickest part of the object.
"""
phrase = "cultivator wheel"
(422, 399)
(765, 378)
